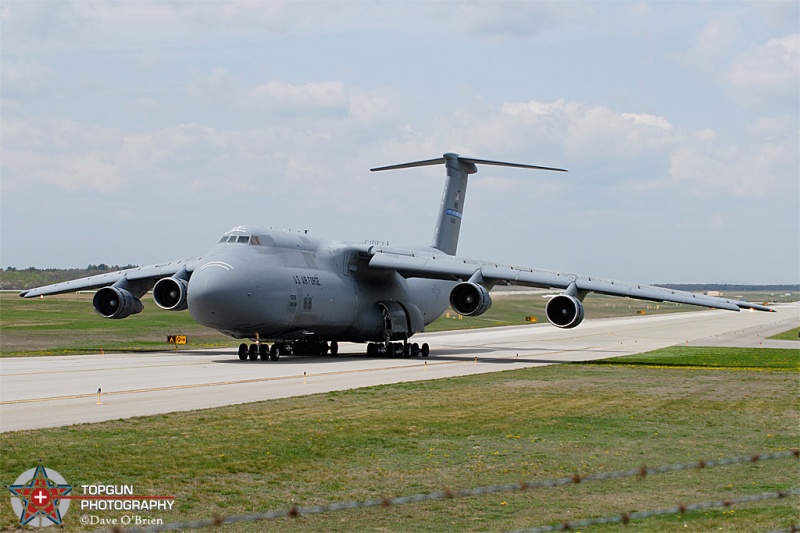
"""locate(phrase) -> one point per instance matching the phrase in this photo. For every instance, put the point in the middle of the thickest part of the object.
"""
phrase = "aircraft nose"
(215, 295)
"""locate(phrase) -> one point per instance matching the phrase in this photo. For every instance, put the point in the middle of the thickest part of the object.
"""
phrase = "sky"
(139, 132)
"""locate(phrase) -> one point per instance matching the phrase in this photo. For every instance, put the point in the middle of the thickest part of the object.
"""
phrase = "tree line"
(13, 278)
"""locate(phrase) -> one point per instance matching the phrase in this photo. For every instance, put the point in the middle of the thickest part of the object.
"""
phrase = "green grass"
(503, 427)
(713, 357)
(791, 335)
(67, 324)
(512, 310)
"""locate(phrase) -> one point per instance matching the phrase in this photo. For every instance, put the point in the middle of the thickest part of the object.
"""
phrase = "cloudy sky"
(138, 132)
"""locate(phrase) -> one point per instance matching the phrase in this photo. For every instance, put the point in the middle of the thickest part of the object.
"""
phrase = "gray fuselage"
(261, 283)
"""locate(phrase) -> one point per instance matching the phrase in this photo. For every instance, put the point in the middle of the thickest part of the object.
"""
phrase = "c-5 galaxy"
(304, 295)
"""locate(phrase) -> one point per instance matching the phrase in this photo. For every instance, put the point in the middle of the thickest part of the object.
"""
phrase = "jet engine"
(170, 294)
(564, 311)
(113, 302)
(470, 299)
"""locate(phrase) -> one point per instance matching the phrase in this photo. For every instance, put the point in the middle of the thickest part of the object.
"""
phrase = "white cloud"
(595, 134)
(767, 75)
(650, 155)
(60, 155)
(312, 97)
(164, 113)
(25, 76)
(714, 42)
(763, 167)
(511, 20)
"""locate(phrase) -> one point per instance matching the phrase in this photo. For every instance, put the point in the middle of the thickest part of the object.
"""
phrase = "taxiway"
(38, 392)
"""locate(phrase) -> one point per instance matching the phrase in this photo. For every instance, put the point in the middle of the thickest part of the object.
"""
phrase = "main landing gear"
(397, 349)
(262, 350)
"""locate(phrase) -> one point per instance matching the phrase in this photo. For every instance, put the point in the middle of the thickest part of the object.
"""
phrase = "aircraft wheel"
(275, 352)
(263, 351)
(397, 349)
(243, 352)
(372, 349)
(425, 349)
(334, 348)
(415, 350)
(253, 352)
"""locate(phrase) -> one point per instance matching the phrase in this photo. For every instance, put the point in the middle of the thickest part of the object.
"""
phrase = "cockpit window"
(240, 239)
(233, 239)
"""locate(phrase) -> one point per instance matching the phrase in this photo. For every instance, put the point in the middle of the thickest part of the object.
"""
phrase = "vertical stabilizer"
(448, 223)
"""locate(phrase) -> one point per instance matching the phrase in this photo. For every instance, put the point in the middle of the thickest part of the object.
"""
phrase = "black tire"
(275, 352)
(334, 348)
(263, 351)
(426, 350)
(243, 352)
(253, 352)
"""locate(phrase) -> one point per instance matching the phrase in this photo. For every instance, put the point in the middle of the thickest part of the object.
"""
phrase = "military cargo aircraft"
(289, 293)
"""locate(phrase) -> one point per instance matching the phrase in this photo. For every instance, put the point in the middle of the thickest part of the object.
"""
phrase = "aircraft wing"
(413, 263)
(144, 276)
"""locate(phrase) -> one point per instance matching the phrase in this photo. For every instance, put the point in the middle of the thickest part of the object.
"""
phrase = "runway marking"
(94, 369)
(218, 383)
(523, 358)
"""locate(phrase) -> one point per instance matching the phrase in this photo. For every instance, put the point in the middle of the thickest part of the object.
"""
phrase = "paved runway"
(37, 392)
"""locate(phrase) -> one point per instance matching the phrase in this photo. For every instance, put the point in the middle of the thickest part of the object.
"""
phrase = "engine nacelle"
(113, 302)
(470, 299)
(170, 294)
(564, 311)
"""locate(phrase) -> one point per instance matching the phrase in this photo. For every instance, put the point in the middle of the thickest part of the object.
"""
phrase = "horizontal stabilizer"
(504, 164)
(428, 163)
(451, 210)
(469, 160)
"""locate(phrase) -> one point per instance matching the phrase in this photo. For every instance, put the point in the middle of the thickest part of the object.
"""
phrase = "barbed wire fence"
(447, 493)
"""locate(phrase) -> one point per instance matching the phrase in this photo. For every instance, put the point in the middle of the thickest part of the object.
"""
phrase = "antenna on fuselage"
(448, 224)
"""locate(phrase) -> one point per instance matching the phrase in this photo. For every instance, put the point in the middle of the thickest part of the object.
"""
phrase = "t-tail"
(448, 224)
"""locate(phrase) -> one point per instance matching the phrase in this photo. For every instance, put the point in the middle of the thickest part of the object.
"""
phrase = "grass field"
(505, 427)
(791, 335)
(675, 405)
(67, 324)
